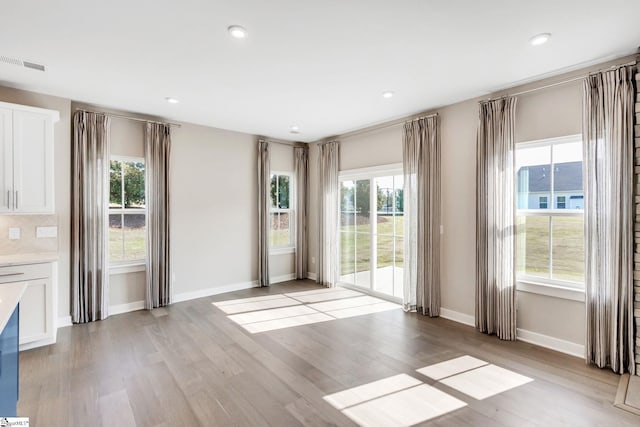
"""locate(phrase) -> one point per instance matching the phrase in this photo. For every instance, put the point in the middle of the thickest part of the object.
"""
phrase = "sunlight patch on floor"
(276, 313)
(271, 312)
(400, 400)
(344, 303)
(474, 377)
(486, 381)
(287, 322)
(451, 367)
(325, 296)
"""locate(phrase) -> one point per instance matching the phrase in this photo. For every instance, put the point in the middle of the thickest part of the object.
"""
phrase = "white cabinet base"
(38, 306)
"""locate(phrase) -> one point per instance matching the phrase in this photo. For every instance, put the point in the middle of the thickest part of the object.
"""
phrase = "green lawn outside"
(532, 247)
(567, 248)
(358, 237)
(134, 246)
(279, 238)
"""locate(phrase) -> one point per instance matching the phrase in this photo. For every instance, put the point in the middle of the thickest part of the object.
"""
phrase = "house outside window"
(542, 202)
(550, 236)
(282, 233)
(127, 211)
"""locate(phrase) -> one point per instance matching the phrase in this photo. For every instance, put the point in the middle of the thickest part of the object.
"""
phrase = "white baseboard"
(283, 278)
(523, 335)
(64, 321)
(456, 316)
(552, 343)
(126, 308)
(186, 296)
(311, 276)
(36, 344)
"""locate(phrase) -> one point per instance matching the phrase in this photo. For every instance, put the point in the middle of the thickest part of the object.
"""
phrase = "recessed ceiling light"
(237, 32)
(295, 129)
(388, 94)
(171, 100)
(539, 39)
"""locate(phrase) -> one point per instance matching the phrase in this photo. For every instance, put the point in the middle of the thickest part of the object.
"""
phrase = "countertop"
(22, 259)
(10, 294)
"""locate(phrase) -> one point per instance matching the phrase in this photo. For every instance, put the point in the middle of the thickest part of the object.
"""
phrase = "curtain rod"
(563, 82)
(381, 126)
(137, 119)
(282, 142)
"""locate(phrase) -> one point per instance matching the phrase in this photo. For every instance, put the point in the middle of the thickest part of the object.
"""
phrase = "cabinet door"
(34, 312)
(6, 160)
(32, 162)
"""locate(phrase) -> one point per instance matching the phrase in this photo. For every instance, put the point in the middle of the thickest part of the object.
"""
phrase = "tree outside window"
(281, 233)
(127, 211)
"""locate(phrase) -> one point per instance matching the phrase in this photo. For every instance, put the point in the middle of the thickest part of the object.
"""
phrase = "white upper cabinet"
(26, 158)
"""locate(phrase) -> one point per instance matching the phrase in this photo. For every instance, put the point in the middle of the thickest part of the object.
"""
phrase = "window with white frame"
(281, 233)
(550, 236)
(127, 211)
(371, 229)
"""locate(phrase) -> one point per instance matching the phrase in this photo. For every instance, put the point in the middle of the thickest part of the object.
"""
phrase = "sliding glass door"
(371, 232)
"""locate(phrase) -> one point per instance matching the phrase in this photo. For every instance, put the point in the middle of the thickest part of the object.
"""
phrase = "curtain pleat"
(608, 171)
(328, 196)
(421, 165)
(90, 195)
(495, 219)
(157, 191)
(264, 210)
(301, 168)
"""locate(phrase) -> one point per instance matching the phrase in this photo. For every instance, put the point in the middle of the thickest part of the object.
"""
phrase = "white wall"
(213, 208)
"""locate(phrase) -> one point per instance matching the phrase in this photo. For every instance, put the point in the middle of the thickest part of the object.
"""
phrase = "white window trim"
(134, 265)
(125, 268)
(282, 250)
(291, 247)
(557, 291)
(371, 172)
(546, 286)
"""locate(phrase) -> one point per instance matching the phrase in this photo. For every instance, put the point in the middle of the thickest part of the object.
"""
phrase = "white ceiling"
(322, 65)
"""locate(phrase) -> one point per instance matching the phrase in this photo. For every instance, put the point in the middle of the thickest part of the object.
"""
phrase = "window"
(281, 235)
(550, 240)
(542, 204)
(371, 230)
(127, 211)
(561, 202)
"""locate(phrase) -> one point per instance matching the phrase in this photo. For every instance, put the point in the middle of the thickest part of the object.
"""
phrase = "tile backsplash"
(28, 242)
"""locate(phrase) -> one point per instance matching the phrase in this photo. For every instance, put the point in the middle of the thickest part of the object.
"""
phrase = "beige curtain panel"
(157, 148)
(264, 210)
(608, 170)
(89, 217)
(421, 166)
(328, 198)
(301, 169)
(495, 219)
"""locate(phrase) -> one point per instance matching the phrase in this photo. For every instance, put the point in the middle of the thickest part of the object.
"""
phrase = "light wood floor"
(189, 365)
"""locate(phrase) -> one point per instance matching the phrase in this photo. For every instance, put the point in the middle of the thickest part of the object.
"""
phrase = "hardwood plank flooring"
(190, 365)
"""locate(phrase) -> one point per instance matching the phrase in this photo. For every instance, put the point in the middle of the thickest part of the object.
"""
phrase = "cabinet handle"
(17, 199)
(8, 199)
(10, 274)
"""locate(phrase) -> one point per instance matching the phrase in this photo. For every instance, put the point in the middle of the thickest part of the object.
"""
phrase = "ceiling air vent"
(22, 63)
